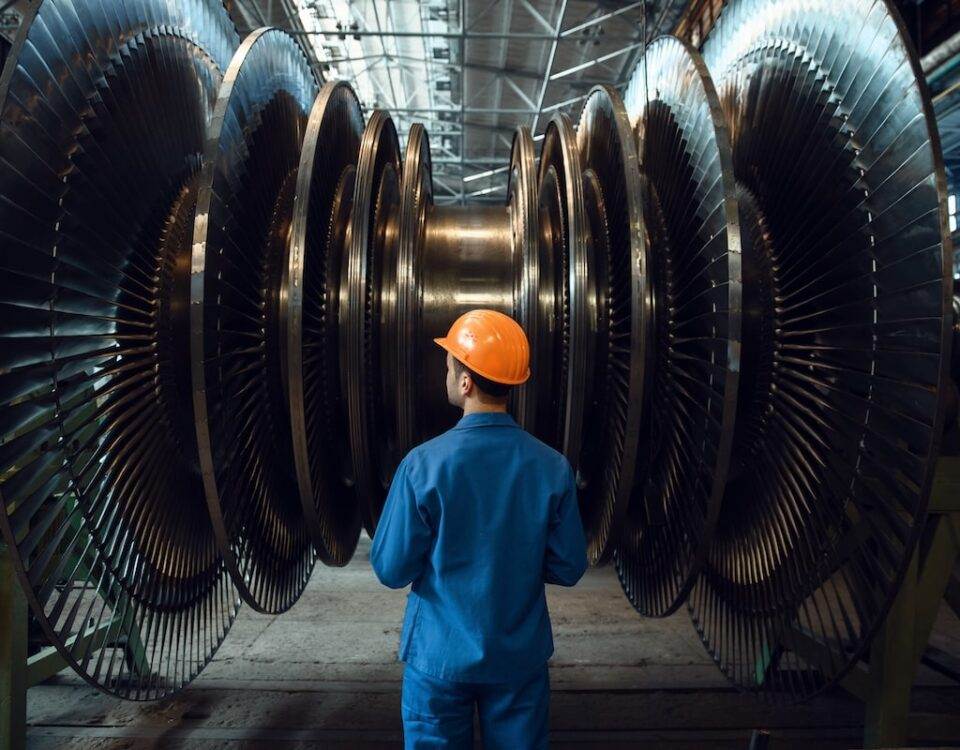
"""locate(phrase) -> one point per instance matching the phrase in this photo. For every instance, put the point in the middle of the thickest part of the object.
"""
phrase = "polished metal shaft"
(467, 263)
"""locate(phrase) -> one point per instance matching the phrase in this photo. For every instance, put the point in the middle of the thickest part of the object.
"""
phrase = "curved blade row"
(690, 205)
(101, 140)
(237, 322)
(802, 328)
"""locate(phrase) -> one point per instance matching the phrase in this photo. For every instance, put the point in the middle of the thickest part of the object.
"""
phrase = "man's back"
(478, 519)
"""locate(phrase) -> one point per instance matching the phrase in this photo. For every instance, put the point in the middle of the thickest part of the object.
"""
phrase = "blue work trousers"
(439, 713)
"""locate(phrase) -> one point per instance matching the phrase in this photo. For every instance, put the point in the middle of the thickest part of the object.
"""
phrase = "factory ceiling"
(471, 70)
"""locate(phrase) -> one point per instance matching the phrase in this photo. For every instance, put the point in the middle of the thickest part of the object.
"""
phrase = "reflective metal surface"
(467, 262)
(101, 136)
(321, 213)
(845, 337)
(376, 202)
(689, 199)
(562, 213)
(410, 343)
(237, 326)
(610, 322)
(524, 215)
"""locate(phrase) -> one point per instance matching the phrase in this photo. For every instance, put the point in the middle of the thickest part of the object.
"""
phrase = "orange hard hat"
(491, 344)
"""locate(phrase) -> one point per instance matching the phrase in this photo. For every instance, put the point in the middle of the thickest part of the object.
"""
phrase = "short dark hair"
(484, 385)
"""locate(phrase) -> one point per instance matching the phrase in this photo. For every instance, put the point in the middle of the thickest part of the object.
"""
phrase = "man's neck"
(479, 407)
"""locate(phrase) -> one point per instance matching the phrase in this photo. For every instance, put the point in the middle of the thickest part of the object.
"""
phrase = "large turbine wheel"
(238, 319)
(321, 215)
(592, 309)
(534, 311)
(403, 312)
(610, 316)
(368, 268)
(103, 510)
(691, 212)
(563, 233)
(846, 321)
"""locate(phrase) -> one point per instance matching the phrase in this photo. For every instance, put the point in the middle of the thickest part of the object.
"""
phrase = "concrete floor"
(325, 675)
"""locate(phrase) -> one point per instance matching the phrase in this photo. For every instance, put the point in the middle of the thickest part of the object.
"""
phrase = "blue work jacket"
(478, 519)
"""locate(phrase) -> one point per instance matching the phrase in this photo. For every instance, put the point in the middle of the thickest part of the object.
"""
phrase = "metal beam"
(494, 70)
(471, 162)
(466, 110)
(13, 656)
(564, 103)
(535, 15)
(519, 91)
(450, 190)
(470, 35)
(550, 59)
(489, 190)
(505, 21)
(601, 19)
(393, 91)
(463, 91)
(596, 61)
(533, 75)
(485, 173)
(490, 6)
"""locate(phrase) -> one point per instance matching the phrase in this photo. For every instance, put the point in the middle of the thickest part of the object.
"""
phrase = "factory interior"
(230, 231)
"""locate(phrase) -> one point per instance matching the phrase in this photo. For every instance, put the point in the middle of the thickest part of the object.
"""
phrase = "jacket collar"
(486, 419)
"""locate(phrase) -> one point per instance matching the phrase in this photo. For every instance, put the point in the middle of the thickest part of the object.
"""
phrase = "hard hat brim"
(460, 355)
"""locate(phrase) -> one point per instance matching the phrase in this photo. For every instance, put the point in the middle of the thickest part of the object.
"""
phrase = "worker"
(478, 520)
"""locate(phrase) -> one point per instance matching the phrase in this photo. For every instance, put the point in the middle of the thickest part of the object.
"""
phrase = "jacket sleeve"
(402, 541)
(566, 553)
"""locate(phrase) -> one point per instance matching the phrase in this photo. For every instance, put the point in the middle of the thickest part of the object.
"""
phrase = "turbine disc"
(532, 313)
(563, 218)
(237, 324)
(610, 325)
(376, 200)
(101, 135)
(691, 208)
(321, 214)
(404, 317)
(846, 264)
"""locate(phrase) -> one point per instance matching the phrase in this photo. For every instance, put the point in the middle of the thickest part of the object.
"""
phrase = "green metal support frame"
(886, 683)
(18, 672)
(13, 657)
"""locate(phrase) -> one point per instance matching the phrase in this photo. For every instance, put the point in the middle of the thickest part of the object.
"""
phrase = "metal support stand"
(13, 657)
(18, 672)
(886, 683)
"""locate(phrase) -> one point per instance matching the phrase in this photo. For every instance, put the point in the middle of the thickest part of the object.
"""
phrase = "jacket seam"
(413, 629)
(478, 426)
